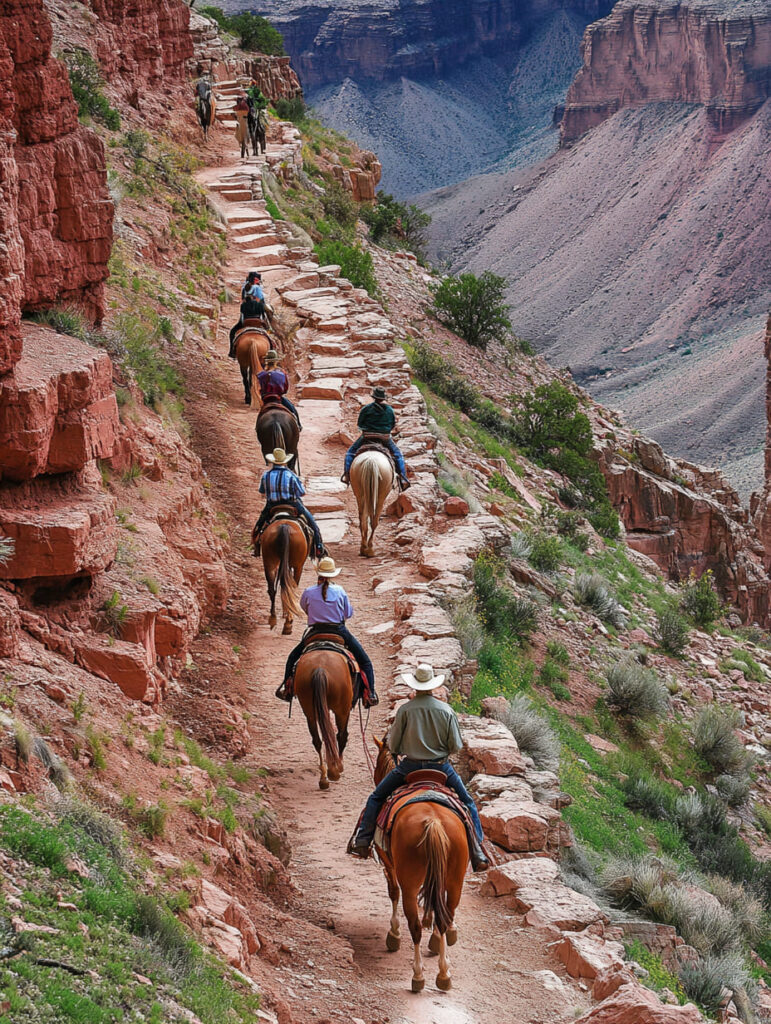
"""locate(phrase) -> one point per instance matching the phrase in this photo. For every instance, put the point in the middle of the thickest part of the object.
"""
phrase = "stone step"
(249, 227)
(236, 195)
(266, 256)
(258, 241)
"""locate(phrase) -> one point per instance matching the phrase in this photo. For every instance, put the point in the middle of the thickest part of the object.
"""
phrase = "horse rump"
(285, 576)
(323, 721)
(433, 892)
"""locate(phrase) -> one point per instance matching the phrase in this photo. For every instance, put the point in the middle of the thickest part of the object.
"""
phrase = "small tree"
(473, 307)
(548, 418)
(393, 223)
(256, 33)
(699, 600)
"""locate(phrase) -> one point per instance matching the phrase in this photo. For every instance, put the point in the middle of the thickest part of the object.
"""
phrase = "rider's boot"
(404, 483)
(345, 478)
(369, 698)
(359, 846)
(284, 692)
(479, 859)
(257, 548)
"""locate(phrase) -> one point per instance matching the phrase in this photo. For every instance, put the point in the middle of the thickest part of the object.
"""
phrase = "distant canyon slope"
(441, 89)
(640, 253)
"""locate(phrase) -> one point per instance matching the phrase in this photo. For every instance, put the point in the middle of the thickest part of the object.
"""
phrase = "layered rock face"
(710, 52)
(339, 39)
(55, 210)
(275, 76)
(760, 504)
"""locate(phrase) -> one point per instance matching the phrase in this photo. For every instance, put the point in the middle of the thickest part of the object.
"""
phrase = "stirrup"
(404, 483)
(370, 701)
(283, 694)
(359, 848)
(346, 479)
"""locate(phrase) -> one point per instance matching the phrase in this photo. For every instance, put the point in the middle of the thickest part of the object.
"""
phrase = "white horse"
(372, 477)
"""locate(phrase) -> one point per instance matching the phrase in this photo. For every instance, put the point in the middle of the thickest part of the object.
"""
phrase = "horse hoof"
(323, 783)
(434, 944)
(443, 984)
(334, 775)
(272, 623)
(286, 631)
(451, 936)
(393, 942)
(418, 984)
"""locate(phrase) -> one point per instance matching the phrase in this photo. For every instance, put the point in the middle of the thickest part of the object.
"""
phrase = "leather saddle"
(424, 786)
(286, 512)
(377, 443)
(331, 642)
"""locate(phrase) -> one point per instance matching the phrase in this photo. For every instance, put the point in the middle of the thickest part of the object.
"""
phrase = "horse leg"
(410, 904)
(288, 623)
(393, 939)
(247, 386)
(313, 728)
(272, 594)
(443, 980)
(452, 934)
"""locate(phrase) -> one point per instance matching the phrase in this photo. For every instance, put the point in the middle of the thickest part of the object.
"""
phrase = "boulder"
(634, 1004)
(586, 956)
(327, 389)
(485, 788)
(556, 904)
(489, 747)
(508, 878)
(519, 826)
(455, 506)
(117, 661)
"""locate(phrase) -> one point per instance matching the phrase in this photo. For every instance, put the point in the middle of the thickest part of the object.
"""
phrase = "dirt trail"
(502, 972)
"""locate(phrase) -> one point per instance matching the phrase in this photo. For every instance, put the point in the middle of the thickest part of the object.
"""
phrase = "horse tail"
(255, 366)
(323, 721)
(370, 483)
(285, 576)
(277, 439)
(433, 893)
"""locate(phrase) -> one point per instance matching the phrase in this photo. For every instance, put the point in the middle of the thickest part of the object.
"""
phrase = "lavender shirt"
(337, 607)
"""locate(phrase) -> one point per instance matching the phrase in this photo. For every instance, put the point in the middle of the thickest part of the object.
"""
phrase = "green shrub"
(338, 204)
(671, 631)
(293, 109)
(751, 669)
(715, 740)
(354, 261)
(155, 376)
(393, 223)
(734, 789)
(64, 319)
(505, 615)
(86, 83)
(466, 624)
(705, 981)
(592, 590)
(473, 307)
(114, 614)
(558, 652)
(534, 736)
(545, 552)
(568, 523)
(253, 32)
(636, 692)
(699, 600)
(555, 676)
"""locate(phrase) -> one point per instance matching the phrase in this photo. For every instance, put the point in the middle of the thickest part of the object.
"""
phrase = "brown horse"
(427, 862)
(284, 549)
(322, 684)
(372, 477)
(251, 345)
(277, 428)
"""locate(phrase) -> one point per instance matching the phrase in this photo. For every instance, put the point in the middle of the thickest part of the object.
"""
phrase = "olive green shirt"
(425, 729)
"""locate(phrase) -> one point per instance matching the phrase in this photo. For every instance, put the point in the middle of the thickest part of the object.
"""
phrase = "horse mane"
(385, 760)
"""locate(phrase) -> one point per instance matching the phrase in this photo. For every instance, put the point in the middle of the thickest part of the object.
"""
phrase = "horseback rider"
(425, 732)
(328, 606)
(252, 306)
(282, 487)
(377, 418)
(274, 383)
(241, 110)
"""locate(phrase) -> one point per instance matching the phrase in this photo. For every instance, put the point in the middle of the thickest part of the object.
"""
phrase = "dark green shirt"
(425, 729)
(377, 418)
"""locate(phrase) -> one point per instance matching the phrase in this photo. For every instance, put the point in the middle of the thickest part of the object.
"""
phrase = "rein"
(367, 752)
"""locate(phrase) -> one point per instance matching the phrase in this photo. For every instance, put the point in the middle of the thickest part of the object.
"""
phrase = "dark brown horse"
(251, 345)
(284, 548)
(427, 862)
(322, 685)
(277, 428)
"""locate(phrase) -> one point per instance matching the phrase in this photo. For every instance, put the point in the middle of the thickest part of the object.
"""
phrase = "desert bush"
(87, 85)
(549, 418)
(545, 552)
(473, 307)
(568, 524)
(555, 676)
(592, 590)
(467, 624)
(520, 545)
(253, 32)
(746, 663)
(647, 794)
(734, 789)
(705, 981)
(636, 692)
(95, 823)
(532, 732)
(64, 319)
(393, 223)
(339, 205)
(671, 631)
(715, 739)
(506, 616)
(293, 109)
(7, 548)
(558, 652)
(699, 600)
(114, 614)
(354, 261)
(745, 906)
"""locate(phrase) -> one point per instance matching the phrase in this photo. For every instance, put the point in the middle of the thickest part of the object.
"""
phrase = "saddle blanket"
(358, 679)
(414, 793)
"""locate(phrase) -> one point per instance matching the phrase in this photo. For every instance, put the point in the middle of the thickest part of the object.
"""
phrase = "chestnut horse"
(322, 684)
(427, 862)
(284, 548)
(251, 345)
(277, 428)
(372, 477)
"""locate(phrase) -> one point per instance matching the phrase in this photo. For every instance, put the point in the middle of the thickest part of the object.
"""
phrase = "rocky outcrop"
(275, 76)
(55, 210)
(710, 52)
(760, 504)
(339, 39)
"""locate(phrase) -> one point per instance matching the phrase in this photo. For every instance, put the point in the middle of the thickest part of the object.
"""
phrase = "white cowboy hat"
(327, 568)
(424, 678)
(279, 457)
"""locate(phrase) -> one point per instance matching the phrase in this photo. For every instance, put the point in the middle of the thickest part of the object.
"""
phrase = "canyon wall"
(340, 39)
(716, 54)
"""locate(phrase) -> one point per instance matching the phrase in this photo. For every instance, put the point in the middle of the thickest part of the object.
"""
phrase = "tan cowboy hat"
(271, 356)
(424, 678)
(327, 568)
(279, 457)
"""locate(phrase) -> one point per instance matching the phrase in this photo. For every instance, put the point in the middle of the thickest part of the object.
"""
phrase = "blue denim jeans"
(396, 778)
(401, 469)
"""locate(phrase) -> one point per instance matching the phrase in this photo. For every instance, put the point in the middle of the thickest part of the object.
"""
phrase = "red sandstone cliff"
(711, 53)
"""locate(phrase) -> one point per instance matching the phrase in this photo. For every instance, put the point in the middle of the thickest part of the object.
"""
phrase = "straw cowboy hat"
(327, 568)
(279, 457)
(271, 356)
(424, 678)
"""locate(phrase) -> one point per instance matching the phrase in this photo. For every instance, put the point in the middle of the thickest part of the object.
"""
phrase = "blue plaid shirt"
(280, 484)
